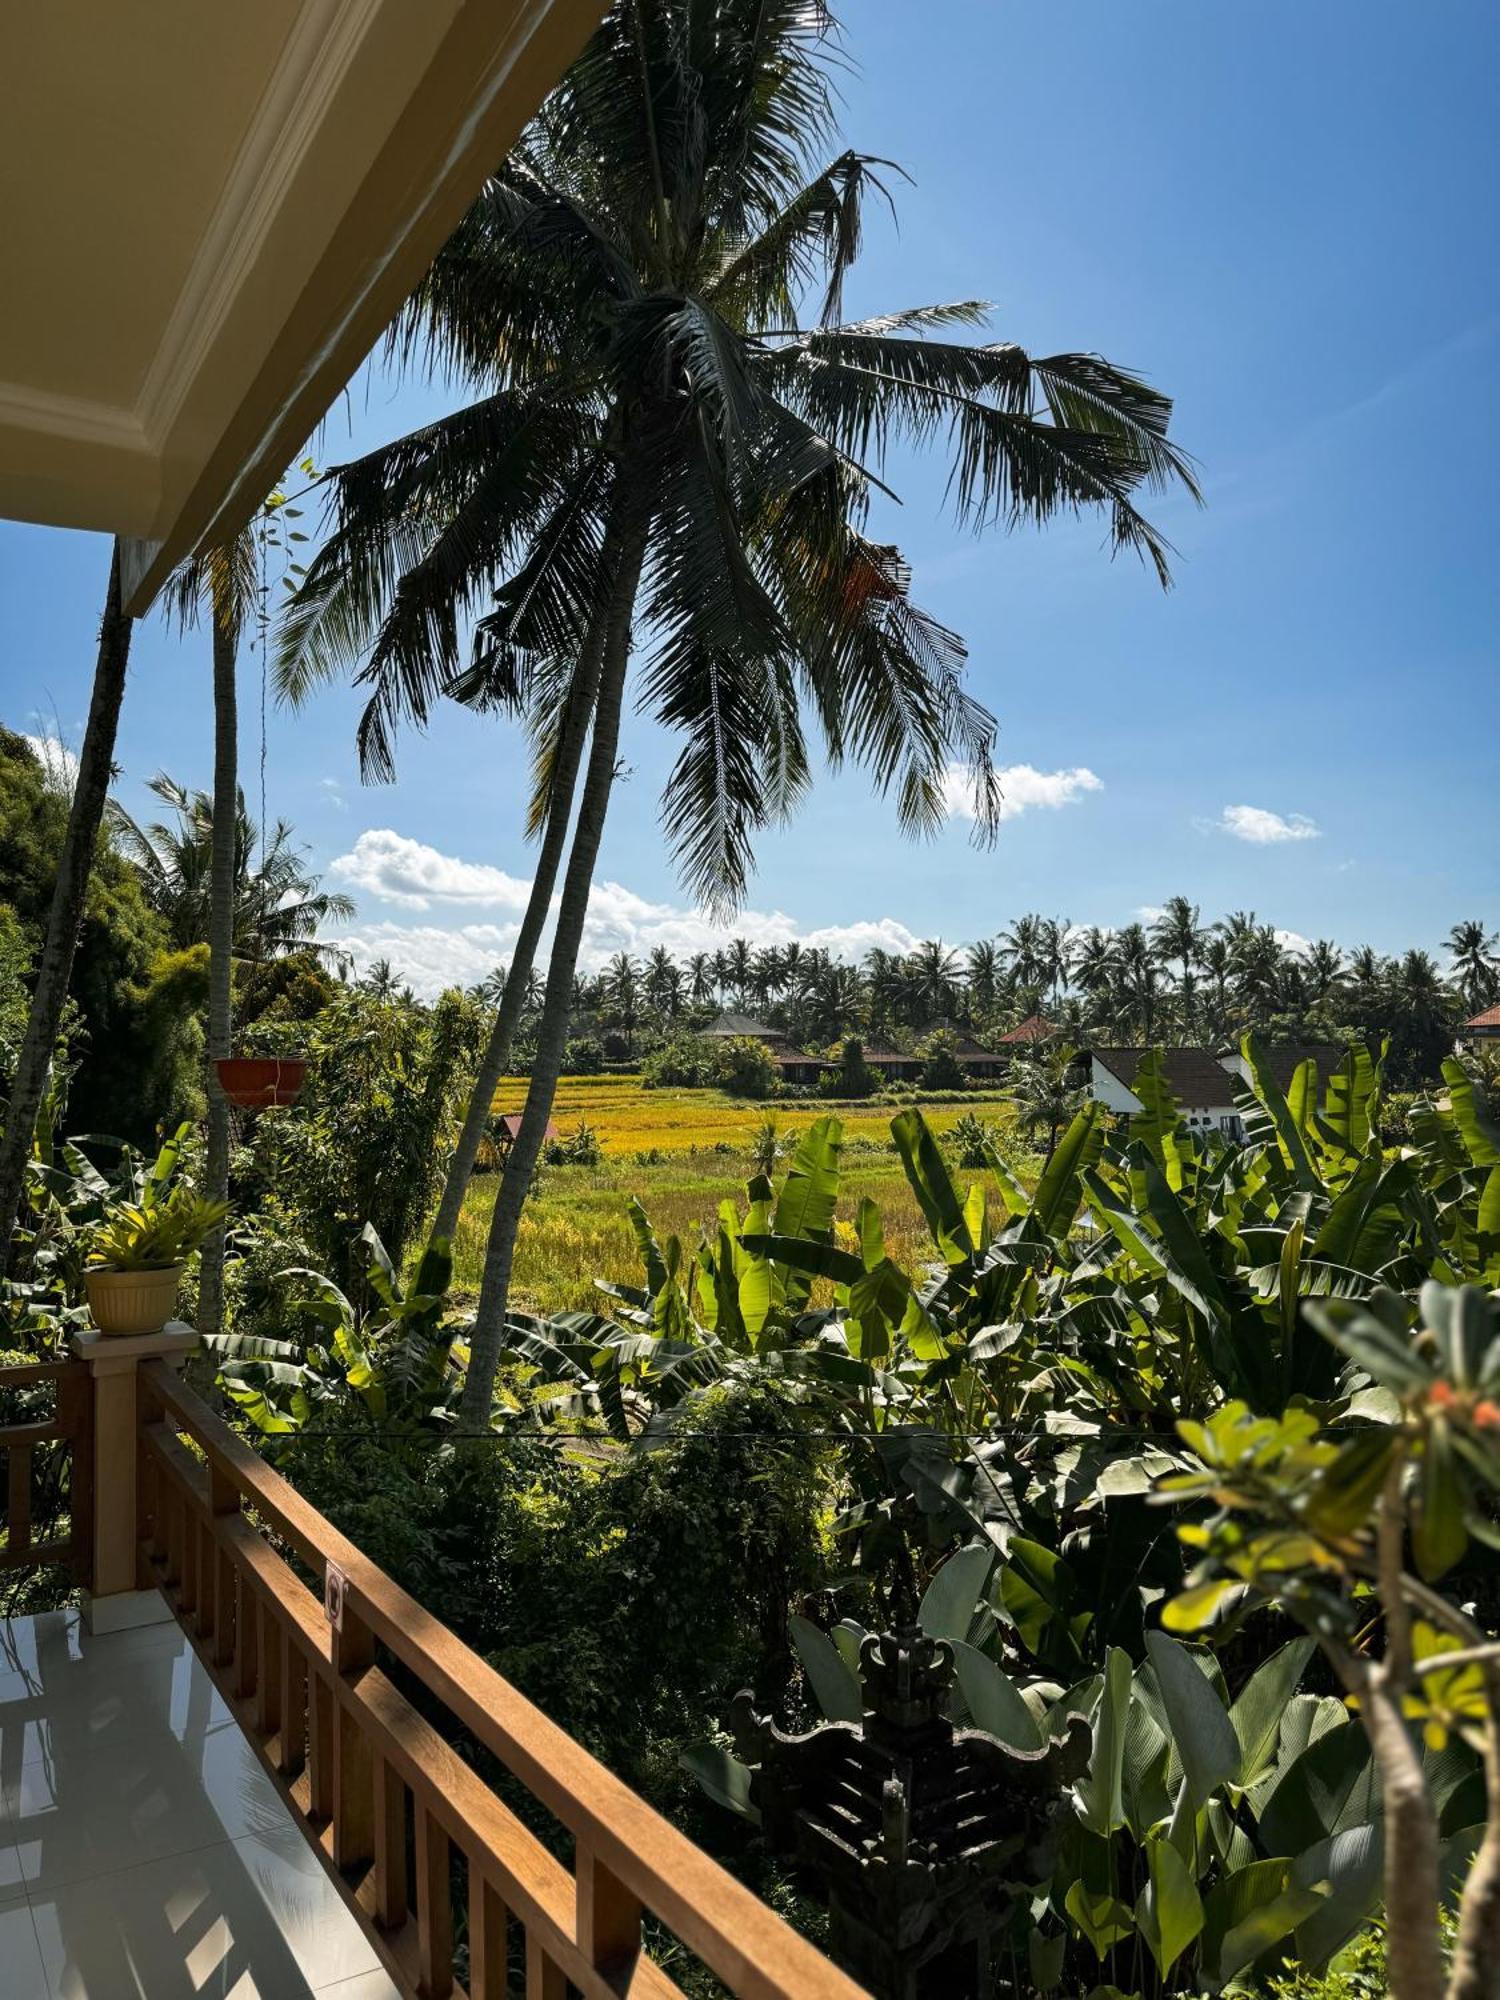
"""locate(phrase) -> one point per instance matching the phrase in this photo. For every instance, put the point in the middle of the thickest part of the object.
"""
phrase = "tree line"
(1177, 978)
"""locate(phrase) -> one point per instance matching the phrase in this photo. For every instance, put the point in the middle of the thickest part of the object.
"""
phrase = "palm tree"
(1177, 936)
(1044, 1097)
(700, 978)
(662, 983)
(1476, 971)
(277, 906)
(55, 967)
(982, 975)
(1137, 978)
(932, 982)
(1054, 953)
(654, 419)
(1022, 947)
(1323, 971)
(621, 985)
(224, 581)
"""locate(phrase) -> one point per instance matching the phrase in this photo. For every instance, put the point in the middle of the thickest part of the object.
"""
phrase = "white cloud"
(429, 956)
(1294, 942)
(58, 762)
(395, 869)
(1022, 786)
(334, 793)
(1150, 913)
(1264, 828)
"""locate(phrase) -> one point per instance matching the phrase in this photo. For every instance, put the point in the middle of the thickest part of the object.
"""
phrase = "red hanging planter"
(256, 1083)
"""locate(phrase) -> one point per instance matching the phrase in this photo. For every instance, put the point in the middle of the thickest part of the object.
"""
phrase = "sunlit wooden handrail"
(70, 1468)
(385, 1798)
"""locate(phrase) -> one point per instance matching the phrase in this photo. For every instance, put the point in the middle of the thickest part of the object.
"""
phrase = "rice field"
(680, 1152)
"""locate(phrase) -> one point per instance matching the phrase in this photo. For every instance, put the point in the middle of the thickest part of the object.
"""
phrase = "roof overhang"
(212, 214)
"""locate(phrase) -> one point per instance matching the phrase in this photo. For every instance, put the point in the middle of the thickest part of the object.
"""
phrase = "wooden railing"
(382, 1795)
(49, 1473)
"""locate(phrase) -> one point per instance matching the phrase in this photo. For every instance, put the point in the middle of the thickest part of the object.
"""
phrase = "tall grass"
(575, 1227)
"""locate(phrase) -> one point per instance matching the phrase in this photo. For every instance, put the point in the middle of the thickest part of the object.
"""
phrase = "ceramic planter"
(256, 1083)
(126, 1302)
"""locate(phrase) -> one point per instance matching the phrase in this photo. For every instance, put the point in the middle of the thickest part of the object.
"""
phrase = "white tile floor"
(144, 1853)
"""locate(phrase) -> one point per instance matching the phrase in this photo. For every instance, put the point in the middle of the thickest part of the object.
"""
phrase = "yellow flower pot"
(128, 1302)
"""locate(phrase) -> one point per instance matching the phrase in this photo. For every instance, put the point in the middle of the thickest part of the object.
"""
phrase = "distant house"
(1035, 1028)
(896, 1065)
(1482, 1031)
(793, 1065)
(1202, 1086)
(1282, 1064)
(976, 1061)
(730, 1027)
(506, 1129)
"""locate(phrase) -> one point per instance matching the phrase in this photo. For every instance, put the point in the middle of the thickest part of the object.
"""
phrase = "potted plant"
(256, 1083)
(138, 1250)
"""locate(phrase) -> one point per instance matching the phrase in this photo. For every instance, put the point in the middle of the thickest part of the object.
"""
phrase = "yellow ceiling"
(211, 212)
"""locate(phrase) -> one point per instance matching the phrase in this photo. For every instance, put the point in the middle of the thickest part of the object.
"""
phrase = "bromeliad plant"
(1353, 1530)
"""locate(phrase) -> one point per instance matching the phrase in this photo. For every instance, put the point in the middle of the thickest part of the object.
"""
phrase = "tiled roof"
(1192, 1075)
(1283, 1063)
(884, 1052)
(1490, 1018)
(1035, 1028)
(968, 1050)
(743, 1024)
(508, 1124)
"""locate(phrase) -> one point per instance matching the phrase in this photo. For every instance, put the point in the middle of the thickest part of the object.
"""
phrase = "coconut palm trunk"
(222, 884)
(95, 762)
(488, 1335)
(564, 779)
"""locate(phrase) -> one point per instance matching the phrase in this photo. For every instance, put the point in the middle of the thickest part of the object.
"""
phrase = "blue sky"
(1284, 215)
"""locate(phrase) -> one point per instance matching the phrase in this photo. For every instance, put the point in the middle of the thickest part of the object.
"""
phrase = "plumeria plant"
(1353, 1531)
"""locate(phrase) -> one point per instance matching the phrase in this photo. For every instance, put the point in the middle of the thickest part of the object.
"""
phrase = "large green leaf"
(1257, 1711)
(725, 1779)
(834, 1686)
(953, 1596)
(1350, 1101)
(1100, 1794)
(1169, 1910)
(1472, 1114)
(1100, 1917)
(994, 1702)
(1330, 1786)
(1039, 1590)
(930, 1183)
(1056, 1200)
(1250, 1910)
(1289, 1136)
(1202, 1732)
(1346, 1870)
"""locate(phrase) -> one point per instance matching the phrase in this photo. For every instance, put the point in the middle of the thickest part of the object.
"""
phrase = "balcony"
(255, 1766)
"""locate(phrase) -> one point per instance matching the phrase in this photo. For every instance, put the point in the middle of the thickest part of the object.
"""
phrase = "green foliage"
(942, 1069)
(744, 1068)
(367, 1140)
(162, 1221)
(683, 1061)
(631, 1597)
(139, 1053)
(972, 1140)
(578, 1148)
(390, 1360)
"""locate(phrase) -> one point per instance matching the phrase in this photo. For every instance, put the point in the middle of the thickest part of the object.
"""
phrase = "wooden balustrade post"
(353, 1767)
(434, 1908)
(609, 1915)
(114, 1601)
(223, 1503)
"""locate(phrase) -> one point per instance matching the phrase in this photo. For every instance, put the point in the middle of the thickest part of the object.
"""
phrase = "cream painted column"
(114, 1604)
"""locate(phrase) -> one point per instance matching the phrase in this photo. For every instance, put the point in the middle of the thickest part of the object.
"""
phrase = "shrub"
(745, 1068)
(684, 1062)
(853, 1076)
(943, 1070)
(578, 1148)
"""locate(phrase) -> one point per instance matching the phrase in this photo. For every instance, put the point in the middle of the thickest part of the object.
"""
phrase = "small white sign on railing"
(334, 1585)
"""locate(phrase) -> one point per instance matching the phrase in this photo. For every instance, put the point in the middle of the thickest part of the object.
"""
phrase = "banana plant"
(1210, 1836)
(396, 1362)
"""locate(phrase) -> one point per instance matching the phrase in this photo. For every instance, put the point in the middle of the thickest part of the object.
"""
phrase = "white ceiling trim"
(77, 418)
(287, 119)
